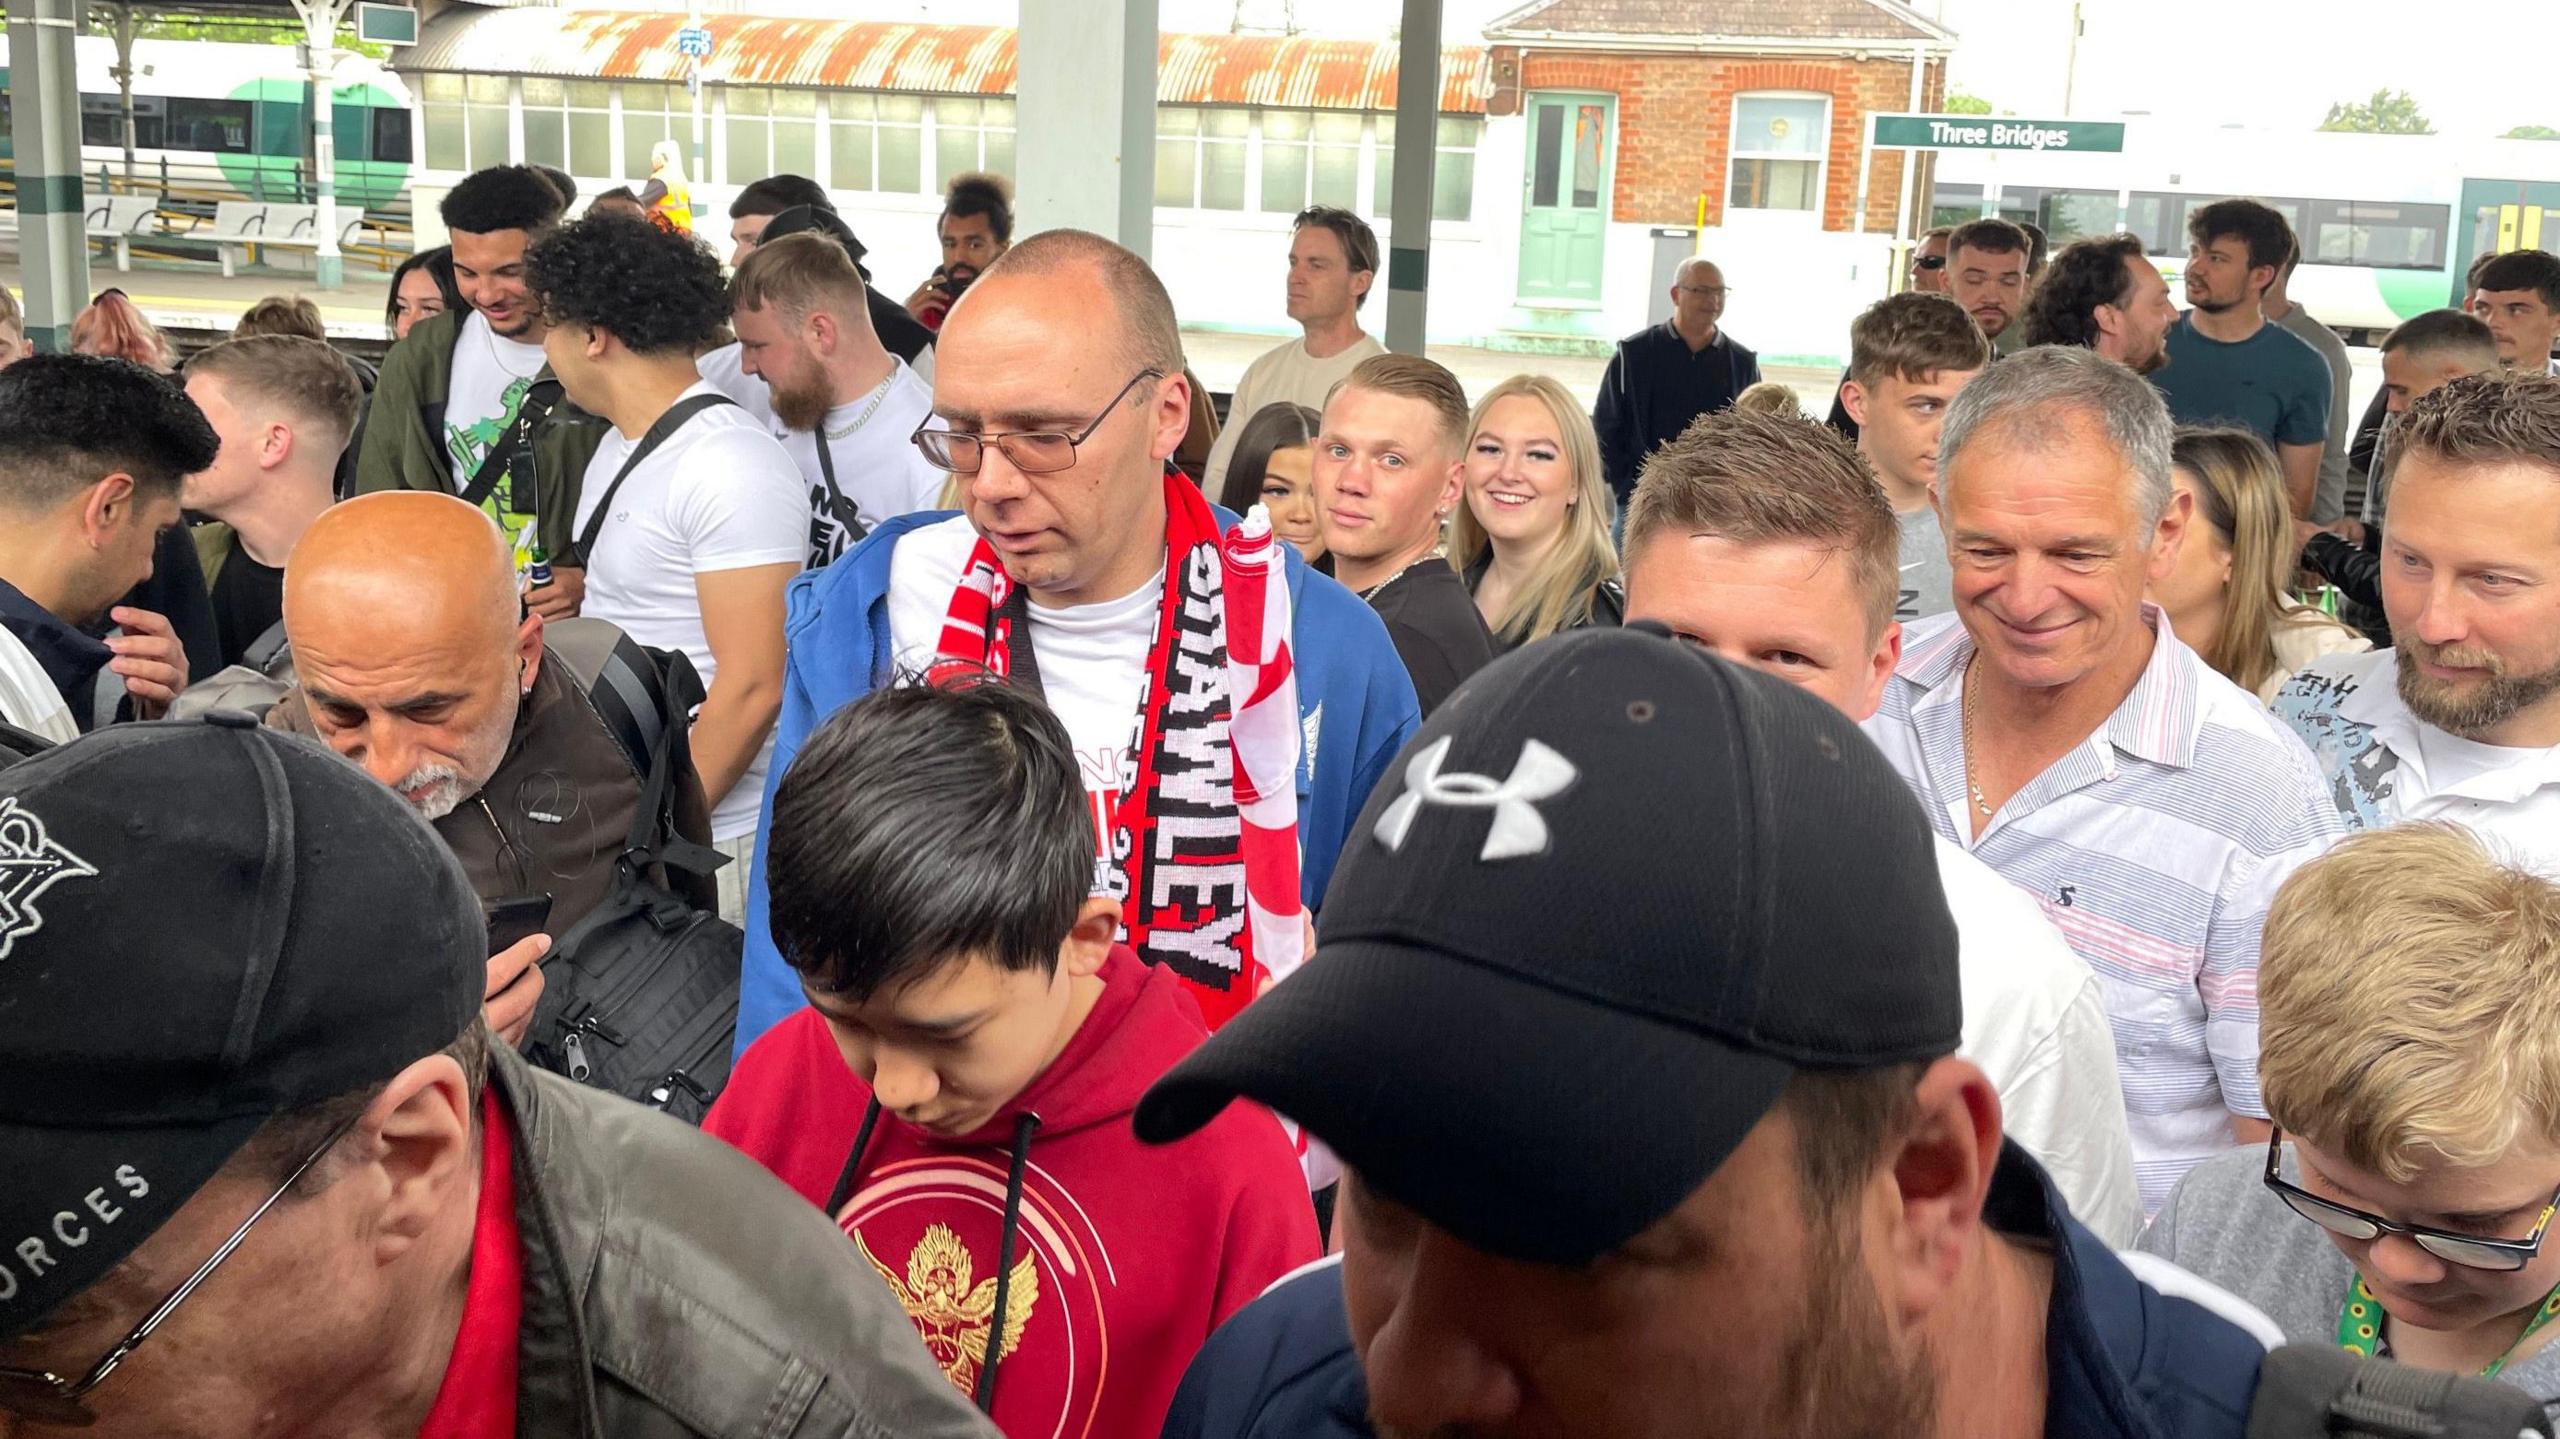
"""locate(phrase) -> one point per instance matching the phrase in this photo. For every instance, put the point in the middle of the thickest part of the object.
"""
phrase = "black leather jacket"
(673, 1290)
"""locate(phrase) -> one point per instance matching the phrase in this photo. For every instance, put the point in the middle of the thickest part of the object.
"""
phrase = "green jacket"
(404, 446)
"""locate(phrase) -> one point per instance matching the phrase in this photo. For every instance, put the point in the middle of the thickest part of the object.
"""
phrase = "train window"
(390, 136)
(1954, 204)
(2159, 218)
(220, 126)
(2378, 236)
(2068, 215)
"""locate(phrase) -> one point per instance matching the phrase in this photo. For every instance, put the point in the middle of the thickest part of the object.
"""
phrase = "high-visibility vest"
(677, 204)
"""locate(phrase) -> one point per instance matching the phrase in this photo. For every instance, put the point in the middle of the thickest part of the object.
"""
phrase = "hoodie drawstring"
(852, 1174)
(1022, 1127)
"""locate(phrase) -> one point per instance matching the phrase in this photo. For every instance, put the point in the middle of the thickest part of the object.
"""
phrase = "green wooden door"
(1565, 220)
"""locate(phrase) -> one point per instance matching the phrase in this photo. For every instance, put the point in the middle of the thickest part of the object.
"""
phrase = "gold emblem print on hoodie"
(952, 1314)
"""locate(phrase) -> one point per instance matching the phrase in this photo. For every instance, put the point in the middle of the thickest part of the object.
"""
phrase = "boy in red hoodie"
(958, 1093)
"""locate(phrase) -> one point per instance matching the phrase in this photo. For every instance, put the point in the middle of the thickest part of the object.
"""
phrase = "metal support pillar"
(699, 171)
(1085, 119)
(320, 35)
(1416, 161)
(44, 81)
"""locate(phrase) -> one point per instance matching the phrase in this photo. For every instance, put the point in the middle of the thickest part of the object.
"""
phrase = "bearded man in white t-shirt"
(842, 404)
(1084, 569)
(2461, 721)
(1767, 542)
(691, 518)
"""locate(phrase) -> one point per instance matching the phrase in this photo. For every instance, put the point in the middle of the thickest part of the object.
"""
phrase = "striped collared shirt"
(2155, 845)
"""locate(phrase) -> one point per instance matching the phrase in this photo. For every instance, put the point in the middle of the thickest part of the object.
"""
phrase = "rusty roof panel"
(1293, 71)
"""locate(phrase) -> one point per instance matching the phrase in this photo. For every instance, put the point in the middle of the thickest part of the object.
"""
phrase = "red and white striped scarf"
(1203, 844)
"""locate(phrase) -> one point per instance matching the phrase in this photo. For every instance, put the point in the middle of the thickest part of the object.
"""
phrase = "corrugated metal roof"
(1294, 71)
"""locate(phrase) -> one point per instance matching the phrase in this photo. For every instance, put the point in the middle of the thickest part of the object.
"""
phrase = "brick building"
(1690, 80)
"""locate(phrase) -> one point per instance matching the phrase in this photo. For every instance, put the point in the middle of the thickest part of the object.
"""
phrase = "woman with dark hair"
(422, 286)
(1271, 465)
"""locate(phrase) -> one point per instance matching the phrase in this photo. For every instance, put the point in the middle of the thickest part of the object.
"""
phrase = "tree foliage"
(2389, 112)
(2531, 132)
(1961, 104)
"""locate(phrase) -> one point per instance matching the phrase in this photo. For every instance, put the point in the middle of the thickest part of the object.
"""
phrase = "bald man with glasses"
(1081, 568)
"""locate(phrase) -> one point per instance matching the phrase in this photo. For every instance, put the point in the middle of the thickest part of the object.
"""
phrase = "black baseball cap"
(203, 924)
(1610, 899)
(801, 218)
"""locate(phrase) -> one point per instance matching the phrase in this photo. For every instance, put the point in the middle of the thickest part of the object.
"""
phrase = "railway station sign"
(694, 42)
(1988, 132)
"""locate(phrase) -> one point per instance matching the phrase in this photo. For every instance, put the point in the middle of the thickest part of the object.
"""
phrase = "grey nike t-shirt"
(1927, 580)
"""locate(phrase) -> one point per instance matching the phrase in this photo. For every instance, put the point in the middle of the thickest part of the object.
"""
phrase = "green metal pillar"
(1416, 161)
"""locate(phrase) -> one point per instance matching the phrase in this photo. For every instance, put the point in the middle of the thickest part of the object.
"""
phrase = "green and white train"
(2388, 223)
(232, 120)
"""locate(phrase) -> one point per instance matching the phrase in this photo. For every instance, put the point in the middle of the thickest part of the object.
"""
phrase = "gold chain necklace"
(1971, 783)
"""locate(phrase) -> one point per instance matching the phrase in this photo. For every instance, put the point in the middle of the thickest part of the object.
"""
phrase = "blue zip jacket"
(1353, 696)
(2123, 1360)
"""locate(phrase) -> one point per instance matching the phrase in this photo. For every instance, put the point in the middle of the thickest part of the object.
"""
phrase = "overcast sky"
(2476, 67)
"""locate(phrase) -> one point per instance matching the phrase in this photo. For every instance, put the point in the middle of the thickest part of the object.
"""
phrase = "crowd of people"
(1377, 912)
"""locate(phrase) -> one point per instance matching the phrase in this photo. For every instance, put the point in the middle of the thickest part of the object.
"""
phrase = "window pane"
(1590, 134)
(486, 90)
(1221, 175)
(1339, 127)
(2071, 214)
(852, 107)
(588, 94)
(590, 144)
(997, 112)
(850, 160)
(1284, 178)
(1337, 176)
(444, 137)
(749, 101)
(1000, 151)
(640, 130)
(1453, 186)
(545, 139)
(795, 103)
(1773, 184)
(1547, 165)
(954, 152)
(955, 112)
(1287, 124)
(1177, 120)
(795, 147)
(488, 125)
(1775, 125)
(902, 109)
(901, 158)
(748, 138)
(538, 91)
(1226, 121)
(439, 87)
(1173, 173)
(1460, 132)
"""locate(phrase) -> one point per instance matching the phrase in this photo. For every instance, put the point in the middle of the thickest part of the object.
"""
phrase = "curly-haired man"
(691, 518)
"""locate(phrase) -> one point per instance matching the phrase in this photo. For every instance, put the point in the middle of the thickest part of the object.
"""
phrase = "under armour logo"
(1518, 829)
(30, 864)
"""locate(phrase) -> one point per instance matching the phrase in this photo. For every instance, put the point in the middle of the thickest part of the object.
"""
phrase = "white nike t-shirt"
(491, 377)
(718, 494)
(1092, 658)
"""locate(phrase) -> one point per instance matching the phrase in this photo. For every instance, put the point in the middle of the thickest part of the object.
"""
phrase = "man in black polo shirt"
(1662, 378)
(92, 452)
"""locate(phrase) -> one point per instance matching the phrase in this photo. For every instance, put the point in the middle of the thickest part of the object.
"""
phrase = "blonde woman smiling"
(1532, 538)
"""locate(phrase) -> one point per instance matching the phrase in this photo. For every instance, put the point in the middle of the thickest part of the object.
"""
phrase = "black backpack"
(641, 997)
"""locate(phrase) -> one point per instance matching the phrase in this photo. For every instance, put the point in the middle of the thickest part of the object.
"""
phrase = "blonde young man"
(2410, 1054)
